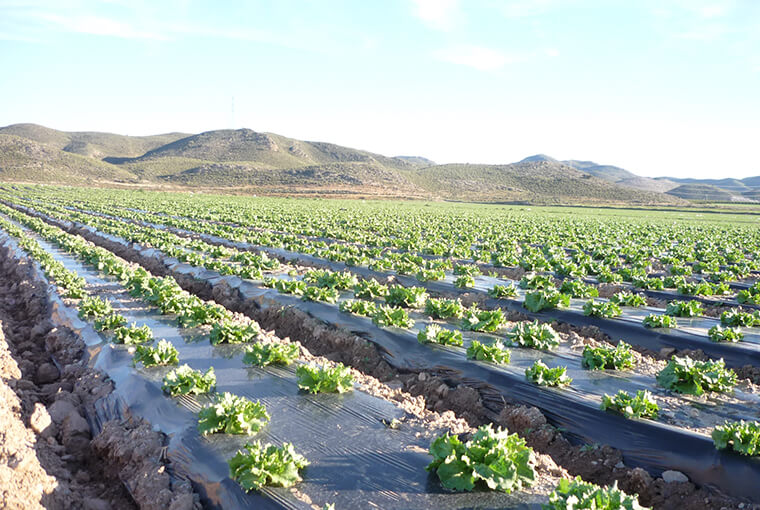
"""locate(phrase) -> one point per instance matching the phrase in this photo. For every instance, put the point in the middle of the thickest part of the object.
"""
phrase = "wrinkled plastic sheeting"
(357, 461)
(691, 334)
(653, 446)
(670, 296)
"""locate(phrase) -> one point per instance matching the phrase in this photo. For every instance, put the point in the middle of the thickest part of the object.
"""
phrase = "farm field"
(305, 353)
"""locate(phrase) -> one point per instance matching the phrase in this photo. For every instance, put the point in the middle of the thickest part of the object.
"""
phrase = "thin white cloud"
(99, 25)
(477, 57)
(710, 32)
(9, 36)
(711, 11)
(40, 21)
(525, 8)
(437, 14)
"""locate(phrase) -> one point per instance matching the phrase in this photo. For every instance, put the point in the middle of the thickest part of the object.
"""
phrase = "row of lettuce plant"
(400, 293)
(435, 269)
(543, 294)
(258, 465)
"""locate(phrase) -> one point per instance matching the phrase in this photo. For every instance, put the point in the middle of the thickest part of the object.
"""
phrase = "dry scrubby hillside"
(613, 174)
(704, 192)
(25, 160)
(369, 178)
(243, 160)
(722, 190)
(266, 149)
(92, 144)
(537, 181)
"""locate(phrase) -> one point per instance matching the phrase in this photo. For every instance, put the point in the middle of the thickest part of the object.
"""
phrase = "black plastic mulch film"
(630, 329)
(690, 335)
(653, 446)
(357, 461)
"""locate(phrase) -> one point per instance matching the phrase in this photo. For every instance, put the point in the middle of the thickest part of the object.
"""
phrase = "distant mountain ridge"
(247, 161)
(92, 144)
(717, 190)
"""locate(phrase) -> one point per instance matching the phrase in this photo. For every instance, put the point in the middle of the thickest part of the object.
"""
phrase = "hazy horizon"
(662, 88)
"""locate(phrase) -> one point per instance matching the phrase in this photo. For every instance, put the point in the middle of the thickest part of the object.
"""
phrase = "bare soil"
(442, 392)
(48, 455)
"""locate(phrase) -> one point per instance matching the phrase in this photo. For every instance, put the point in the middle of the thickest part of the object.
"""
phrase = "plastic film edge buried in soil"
(195, 459)
(655, 447)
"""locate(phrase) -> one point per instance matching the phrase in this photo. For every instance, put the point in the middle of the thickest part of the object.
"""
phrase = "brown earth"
(598, 464)
(48, 456)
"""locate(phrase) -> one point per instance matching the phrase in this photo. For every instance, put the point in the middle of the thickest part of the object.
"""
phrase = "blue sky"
(660, 87)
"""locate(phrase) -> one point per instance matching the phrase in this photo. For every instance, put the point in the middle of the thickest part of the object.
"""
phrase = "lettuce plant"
(164, 353)
(444, 308)
(639, 406)
(467, 270)
(186, 381)
(262, 354)
(325, 379)
(578, 289)
(358, 307)
(685, 375)
(370, 289)
(534, 335)
(576, 494)
(389, 316)
(229, 332)
(258, 466)
(536, 281)
(741, 436)
(407, 297)
(605, 309)
(619, 357)
(719, 334)
(625, 298)
(503, 291)
(659, 321)
(492, 457)
(684, 309)
(231, 414)
(464, 281)
(542, 375)
(545, 300)
(110, 322)
(323, 294)
(331, 279)
(495, 352)
(430, 275)
(295, 287)
(736, 318)
(433, 333)
(132, 335)
(93, 307)
(483, 320)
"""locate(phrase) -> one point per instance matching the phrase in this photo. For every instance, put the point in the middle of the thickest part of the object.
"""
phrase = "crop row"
(316, 277)
(600, 260)
(257, 465)
(544, 293)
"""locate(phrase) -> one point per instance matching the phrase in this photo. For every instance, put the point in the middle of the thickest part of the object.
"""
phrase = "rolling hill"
(611, 173)
(22, 159)
(92, 144)
(266, 149)
(702, 192)
(717, 190)
(533, 181)
(709, 190)
(248, 161)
